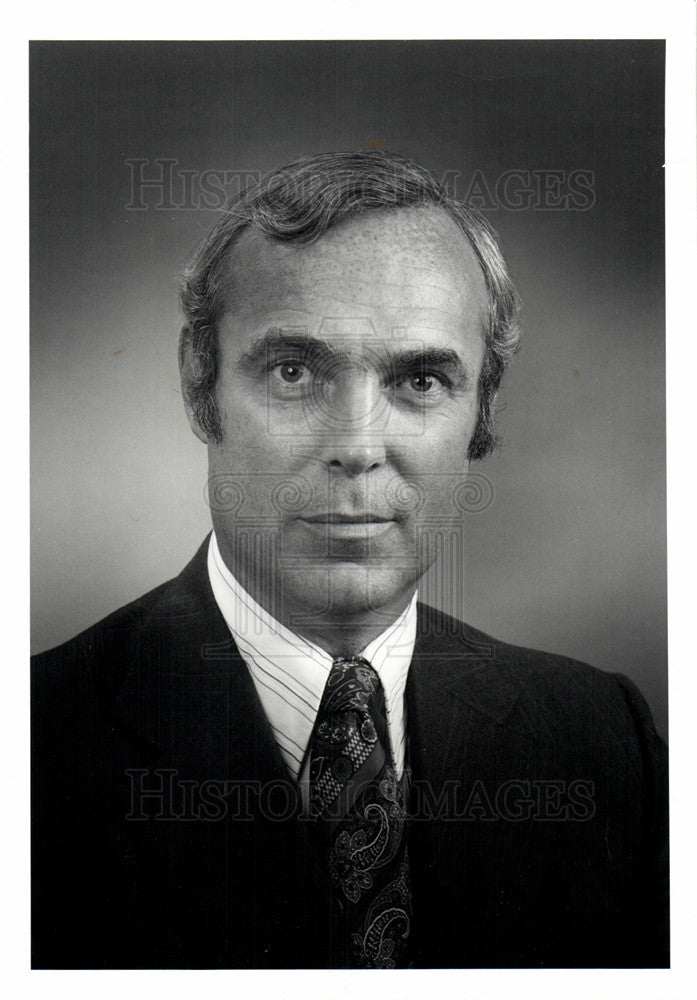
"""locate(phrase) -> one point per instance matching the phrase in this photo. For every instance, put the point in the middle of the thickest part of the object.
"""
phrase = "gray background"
(570, 556)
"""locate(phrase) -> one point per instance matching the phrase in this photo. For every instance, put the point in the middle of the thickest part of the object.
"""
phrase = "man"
(279, 759)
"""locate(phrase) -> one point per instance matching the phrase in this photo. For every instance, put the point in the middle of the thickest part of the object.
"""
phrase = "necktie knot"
(352, 685)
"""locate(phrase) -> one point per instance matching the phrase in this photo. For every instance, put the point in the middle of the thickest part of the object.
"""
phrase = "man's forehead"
(396, 252)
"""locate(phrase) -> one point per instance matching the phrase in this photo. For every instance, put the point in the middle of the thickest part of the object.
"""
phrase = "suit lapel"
(189, 693)
(466, 741)
(456, 694)
(190, 704)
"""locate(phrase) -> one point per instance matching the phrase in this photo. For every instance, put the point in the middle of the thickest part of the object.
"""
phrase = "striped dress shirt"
(289, 672)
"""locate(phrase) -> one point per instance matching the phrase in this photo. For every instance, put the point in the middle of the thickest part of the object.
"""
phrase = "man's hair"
(297, 204)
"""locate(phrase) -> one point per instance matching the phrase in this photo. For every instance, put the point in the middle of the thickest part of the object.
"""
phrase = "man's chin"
(346, 594)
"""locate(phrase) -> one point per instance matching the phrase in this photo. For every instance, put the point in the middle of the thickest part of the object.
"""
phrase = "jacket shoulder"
(106, 649)
(545, 683)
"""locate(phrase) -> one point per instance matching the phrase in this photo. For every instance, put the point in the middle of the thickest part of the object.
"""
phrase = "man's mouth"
(342, 526)
(361, 518)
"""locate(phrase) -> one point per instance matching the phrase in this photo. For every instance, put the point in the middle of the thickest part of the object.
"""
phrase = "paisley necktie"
(360, 820)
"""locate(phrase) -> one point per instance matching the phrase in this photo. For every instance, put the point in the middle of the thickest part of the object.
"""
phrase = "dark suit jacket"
(538, 804)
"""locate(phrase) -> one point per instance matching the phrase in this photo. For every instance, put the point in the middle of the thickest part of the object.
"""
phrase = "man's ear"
(188, 375)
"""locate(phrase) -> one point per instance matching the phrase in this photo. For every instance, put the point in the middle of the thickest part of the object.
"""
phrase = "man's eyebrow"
(277, 340)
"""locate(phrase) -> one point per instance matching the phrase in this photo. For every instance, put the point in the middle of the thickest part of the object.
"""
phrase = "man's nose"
(354, 425)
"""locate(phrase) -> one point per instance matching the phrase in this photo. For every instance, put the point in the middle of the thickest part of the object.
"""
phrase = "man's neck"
(338, 631)
(347, 639)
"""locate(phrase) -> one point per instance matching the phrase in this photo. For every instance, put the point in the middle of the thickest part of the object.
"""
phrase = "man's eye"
(290, 372)
(423, 382)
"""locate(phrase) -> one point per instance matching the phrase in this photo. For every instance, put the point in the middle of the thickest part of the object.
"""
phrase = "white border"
(361, 19)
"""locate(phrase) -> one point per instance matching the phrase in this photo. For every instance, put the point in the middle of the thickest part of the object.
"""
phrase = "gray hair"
(297, 204)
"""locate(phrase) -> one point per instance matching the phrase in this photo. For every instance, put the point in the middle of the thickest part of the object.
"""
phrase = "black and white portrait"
(349, 600)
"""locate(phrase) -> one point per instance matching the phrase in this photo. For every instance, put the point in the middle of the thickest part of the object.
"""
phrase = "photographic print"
(348, 504)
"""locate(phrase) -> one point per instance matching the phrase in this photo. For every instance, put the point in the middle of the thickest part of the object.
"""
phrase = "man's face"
(347, 393)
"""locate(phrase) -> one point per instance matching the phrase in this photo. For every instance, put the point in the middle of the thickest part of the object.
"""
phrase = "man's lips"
(340, 527)
(363, 518)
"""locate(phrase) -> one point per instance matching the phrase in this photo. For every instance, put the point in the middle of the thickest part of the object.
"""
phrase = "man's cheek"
(431, 503)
